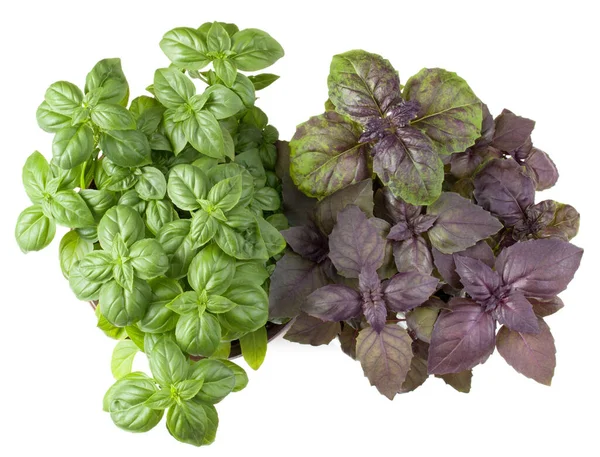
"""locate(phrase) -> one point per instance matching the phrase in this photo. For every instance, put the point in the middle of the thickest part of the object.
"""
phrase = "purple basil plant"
(416, 238)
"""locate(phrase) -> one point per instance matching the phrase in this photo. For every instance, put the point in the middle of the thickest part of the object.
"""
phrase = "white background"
(534, 58)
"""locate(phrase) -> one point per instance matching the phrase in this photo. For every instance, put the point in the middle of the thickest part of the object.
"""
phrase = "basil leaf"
(158, 213)
(217, 39)
(124, 275)
(112, 117)
(187, 184)
(244, 89)
(72, 249)
(221, 102)
(267, 199)
(241, 378)
(204, 133)
(120, 220)
(96, 266)
(217, 304)
(211, 270)
(186, 48)
(263, 80)
(254, 347)
(107, 82)
(225, 70)
(126, 148)
(186, 302)
(69, 209)
(63, 97)
(126, 400)
(167, 362)
(51, 121)
(251, 311)
(34, 231)
(219, 379)
(98, 201)
(174, 131)
(123, 307)
(172, 88)
(122, 358)
(151, 184)
(198, 334)
(116, 333)
(187, 422)
(83, 288)
(160, 400)
(174, 239)
(226, 193)
(189, 388)
(255, 50)
(272, 239)
(203, 228)
(149, 259)
(73, 146)
(158, 318)
(240, 238)
(35, 176)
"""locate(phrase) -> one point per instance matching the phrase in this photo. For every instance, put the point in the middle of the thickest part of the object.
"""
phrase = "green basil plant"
(174, 215)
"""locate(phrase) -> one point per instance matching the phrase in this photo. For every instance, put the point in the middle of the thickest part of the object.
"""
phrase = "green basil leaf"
(187, 422)
(204, 133)
(151, 184)
(126, 400)
(116, 333)
(167, 363)
(241, 378)
(63, 97)
(225, 70)
(158, 318)
(223, 351)
(126, 148)
(252, 308)
(149, 259)
(34, 231)
(172, 88)
(229, 170)
(226, 194)
(263, 80)
(187, 184)
(83, 288)
(69, 209)
(112, 117)
(124, 275)
(133, 201)
(51, 121)
(267, 199)
(174, 239)
(137, 376)
(250, 160)
(96, 266)
(240, 236)
(255, 50)
(35, 176)
(273, 240)
(279, 221)
(160, 400)
(254, 347)
(185, 303)
(107, 82)
(244, 89)
(98, 201)
(72, 249)
(217, 304)
(186, 48)
(203, 228)
(72, 146)
(198, 334)
(120, 220)
(221, 102)
(118, 179)
(122, 358)
(211, 270)
(217, 39)
(122, 307)
(219, 379)
(174, 131)
(268, 155)
(250, 271)
(189, 388)
(158, 213)
(136, 335)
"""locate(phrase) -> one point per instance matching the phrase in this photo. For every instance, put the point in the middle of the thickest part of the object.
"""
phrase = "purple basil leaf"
(385, 357)
(307, 241)
(533, 355)
(537, 217)
(504, 190)
(347, 339)
(359, 194)
(546, 307)
(362, 85)
(355, 243)
(539, 268)
(333, 302)
(450, 114)
(416, 376)
(478, 279)
(373, 305)
(464, 164)
(511, 131)
(460, 223)
(458, 381)
(422, 319)
(394, 209)
(406, 163)
(408, 290)
(413, 254)
(488, 127)
(447, 268)
(293, 279)
(462, 337)
(310, 330)
(368, 281)
(540, 168)
(388, 268)
(565, 224)
(516, 313)
(326, 155)
(400, 232)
